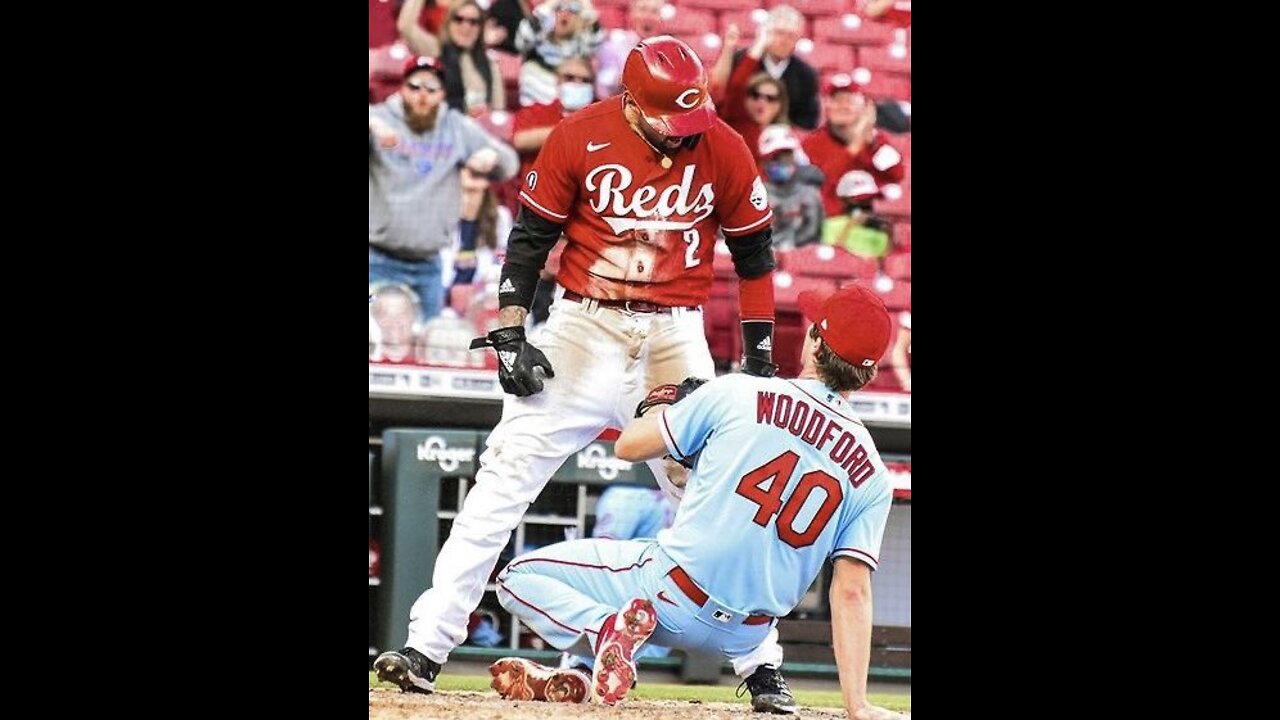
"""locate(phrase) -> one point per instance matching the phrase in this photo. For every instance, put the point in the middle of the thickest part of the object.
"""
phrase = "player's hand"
(518, 361)
(875, 712)
(483, 160)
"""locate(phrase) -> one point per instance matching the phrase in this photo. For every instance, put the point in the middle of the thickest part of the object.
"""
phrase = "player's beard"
(421, 123)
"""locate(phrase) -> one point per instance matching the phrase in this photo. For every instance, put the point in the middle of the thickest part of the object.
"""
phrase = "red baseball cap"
(422, 62)
(852, 321)
(854, 82)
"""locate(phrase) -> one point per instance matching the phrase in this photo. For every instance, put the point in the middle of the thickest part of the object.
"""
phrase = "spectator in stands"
(849, 141)
(900, 355)
(417, 147)
(575, 89)
(643, 21)
(777, 38)
(473, 82)
(751, 100)
(394, 314)
(856, 229)
(792, 185)
(505, 17)
(557, 29)
(482, 231)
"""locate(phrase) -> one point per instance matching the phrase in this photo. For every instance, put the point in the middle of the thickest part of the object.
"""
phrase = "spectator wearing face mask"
(575, 90)
(556, 30)
(792, 184)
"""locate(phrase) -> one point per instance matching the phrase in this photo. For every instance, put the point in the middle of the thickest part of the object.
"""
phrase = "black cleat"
(769, 692)
(409, 669)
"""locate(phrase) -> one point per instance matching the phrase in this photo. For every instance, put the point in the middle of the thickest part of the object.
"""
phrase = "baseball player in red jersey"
(638, 184)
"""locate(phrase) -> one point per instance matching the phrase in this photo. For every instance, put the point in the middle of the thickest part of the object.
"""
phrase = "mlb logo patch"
(722, 616)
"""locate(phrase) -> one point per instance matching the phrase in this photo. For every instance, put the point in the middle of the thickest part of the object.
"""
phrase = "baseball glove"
(670, 394)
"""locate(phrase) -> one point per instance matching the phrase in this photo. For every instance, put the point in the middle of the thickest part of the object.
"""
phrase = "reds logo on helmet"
(669, 84)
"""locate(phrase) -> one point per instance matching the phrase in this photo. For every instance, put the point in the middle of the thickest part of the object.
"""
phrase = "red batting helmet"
(666, 79)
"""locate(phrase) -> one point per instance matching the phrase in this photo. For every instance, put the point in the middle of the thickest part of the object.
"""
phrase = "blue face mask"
(576, 95)
(780, 173)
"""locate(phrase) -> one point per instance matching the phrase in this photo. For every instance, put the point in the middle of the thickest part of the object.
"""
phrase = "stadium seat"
(902, 236)
(711, 4)
(689, 21)
(899, 206)
(816, 8)
(824, 261)
(748, 22)
(827, 57)
(897, 297)
(885, 85)
(850, 29)
(898, 266)
(886, 58)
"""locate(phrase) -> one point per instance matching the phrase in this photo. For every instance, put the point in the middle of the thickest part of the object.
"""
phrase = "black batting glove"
(517, 360)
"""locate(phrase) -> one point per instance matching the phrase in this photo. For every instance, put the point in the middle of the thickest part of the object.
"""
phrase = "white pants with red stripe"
(565, 592)
(605, 361)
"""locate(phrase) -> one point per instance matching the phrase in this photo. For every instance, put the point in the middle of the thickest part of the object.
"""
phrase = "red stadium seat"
(612, 16)
(814, 8)
(850, 29)
(902, 236)
(748, 22)
(824, 261)
(711, 4)
(706, 45)
(897, 297)
(898, 266)
(689, 21)
(888, 85)
(827, 57)
(899, 206)
(498, 123)
(887, 58)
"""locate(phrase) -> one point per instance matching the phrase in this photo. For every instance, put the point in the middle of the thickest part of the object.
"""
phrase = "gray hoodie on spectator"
(415, 188)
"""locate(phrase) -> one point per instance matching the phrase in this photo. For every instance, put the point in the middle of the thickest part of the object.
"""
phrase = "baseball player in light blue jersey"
(785, 477)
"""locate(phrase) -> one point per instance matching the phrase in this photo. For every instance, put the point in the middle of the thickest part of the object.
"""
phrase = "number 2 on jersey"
(691, 253)
(777, 472)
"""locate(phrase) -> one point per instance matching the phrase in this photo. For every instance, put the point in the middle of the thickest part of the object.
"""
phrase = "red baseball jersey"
(532, 117)
(881, 159)
(636, 230)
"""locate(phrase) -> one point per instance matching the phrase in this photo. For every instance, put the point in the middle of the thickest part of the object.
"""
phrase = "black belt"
(639, 306)
(404, 258)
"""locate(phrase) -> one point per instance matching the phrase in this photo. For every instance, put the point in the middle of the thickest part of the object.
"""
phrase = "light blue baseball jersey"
(787, 476)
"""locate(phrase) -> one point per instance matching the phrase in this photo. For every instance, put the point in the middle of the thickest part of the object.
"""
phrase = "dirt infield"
(395, 705)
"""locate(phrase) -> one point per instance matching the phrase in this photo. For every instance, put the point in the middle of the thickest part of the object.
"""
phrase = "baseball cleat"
(620, 636)
(520, 679)
(769, 691)
(409, 669)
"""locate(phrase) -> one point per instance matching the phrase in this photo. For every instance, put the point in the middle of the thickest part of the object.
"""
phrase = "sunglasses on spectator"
(416, 86)
(472, 21)
(572, 7)
(577, 78)
(757, 95)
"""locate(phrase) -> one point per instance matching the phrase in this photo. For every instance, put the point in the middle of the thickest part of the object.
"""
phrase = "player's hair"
(839, 374)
